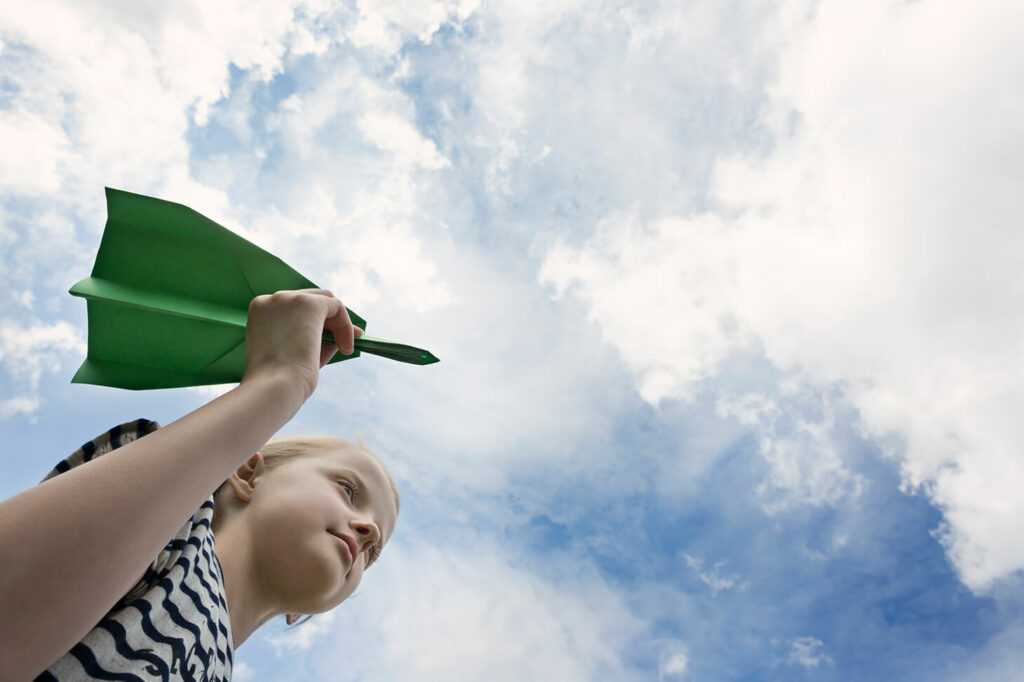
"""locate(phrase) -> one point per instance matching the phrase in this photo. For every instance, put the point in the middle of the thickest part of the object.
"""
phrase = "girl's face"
(316, 522)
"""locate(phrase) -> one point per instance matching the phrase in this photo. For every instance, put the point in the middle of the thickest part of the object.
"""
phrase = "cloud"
(243, 672)
(668, 283)
(21, 405)
(674, 663)
(350, 210)
(302, 637)
(809, 652)
(26, 350)
(999, 660)
(385, 25)
(104, 96)
(397, 135)
(869, 248)
(36, 151)
(796, 438)
(472, 611)
(684, 180)
(108, 96)
(714, 577)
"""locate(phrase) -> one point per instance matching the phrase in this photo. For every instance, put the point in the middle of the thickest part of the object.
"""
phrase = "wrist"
(287, 389)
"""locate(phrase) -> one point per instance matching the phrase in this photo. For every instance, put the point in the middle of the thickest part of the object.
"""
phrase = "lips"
(350, 544)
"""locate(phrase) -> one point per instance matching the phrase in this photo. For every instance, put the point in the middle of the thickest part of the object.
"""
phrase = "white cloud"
(24, 298)
(481, 407)
(26, 351)
(243, 672)
(809, 652)
(395, 134)
(103, 95)
(302, 637)
(292, 103)
(659, 292)
(350, 213)
(714, 577)
(888, 204)
(475, 613)
(805, 458)
(122, 81)
(359, 215)
(367, 218)
(19, 405)
(873, 248)
(619, 93)
(35, 152)
(674, 663)
(998, 660)
(586, 102)
(386, 25)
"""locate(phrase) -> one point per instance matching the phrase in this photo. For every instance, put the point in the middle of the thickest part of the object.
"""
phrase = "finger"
(327, 351)
(341, 327)
(320, 292)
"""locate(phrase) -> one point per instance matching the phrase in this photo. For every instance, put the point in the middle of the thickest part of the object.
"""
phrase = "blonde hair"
(280, 449)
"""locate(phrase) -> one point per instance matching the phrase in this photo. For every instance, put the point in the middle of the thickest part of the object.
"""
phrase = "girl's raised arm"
(75, 544)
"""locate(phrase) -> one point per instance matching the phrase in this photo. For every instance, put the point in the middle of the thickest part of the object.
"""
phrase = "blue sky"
(726, 296)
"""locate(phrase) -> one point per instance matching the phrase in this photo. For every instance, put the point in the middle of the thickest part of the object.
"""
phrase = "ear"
(243, 480)
(292, 617)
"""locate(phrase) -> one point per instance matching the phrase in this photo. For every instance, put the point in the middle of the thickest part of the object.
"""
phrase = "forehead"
(375, 482)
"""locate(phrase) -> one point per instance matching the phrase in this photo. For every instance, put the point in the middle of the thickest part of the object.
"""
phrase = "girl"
(81, 594)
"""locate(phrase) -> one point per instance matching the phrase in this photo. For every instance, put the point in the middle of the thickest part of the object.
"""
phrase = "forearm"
(72, 546)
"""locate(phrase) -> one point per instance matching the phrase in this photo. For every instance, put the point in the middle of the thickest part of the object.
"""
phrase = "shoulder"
(109, 440)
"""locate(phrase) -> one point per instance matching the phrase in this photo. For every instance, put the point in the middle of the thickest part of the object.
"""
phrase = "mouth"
(350, 545)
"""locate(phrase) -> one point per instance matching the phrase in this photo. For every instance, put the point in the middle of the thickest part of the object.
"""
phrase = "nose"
(367, 533)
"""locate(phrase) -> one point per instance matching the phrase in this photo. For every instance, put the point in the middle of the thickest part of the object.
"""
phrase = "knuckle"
(287, 298)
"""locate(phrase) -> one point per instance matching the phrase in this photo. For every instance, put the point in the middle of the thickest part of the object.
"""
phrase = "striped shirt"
(173, 624)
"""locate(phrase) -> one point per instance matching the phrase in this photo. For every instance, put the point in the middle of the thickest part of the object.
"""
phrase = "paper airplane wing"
(169, 294)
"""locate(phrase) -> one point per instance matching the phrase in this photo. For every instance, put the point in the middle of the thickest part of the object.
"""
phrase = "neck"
(247, 608)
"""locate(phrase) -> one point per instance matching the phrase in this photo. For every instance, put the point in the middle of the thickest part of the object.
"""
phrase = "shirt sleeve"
(106, 442)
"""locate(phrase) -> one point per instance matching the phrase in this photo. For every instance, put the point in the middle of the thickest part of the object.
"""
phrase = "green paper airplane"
(168, 298)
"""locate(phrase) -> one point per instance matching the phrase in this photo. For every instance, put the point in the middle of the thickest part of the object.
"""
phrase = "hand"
(283, 335)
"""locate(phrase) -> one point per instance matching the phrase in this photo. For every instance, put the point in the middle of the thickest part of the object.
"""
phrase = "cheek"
(309, 572)
(297, 555)
(299, 512)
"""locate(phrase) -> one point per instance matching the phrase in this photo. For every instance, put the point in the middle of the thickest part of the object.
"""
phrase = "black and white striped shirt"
(173, 624)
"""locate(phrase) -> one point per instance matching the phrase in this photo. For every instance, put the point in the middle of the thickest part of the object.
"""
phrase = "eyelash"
(374, 551)
(353, 493)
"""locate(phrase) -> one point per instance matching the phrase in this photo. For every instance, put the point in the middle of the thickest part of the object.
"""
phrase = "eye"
(371, 555)
(349, 489)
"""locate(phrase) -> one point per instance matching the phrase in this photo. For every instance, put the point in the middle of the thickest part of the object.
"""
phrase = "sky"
(726, 296)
